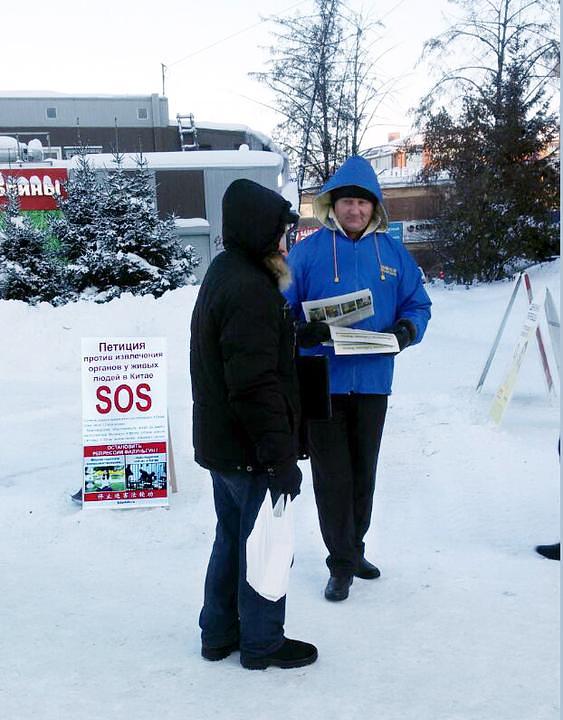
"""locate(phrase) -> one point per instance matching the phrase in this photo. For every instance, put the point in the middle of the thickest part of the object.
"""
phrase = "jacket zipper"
(357, 283)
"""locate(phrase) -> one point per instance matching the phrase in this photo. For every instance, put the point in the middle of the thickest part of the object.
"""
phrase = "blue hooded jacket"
(329, 263)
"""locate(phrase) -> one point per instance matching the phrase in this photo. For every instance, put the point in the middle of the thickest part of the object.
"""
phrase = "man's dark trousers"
(229, 599)
(344, 451)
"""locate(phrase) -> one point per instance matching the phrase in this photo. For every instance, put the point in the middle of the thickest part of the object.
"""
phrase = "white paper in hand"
(351, 341)
(269, 549)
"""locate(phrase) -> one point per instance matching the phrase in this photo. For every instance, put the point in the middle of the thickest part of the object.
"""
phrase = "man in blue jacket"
(350, 253)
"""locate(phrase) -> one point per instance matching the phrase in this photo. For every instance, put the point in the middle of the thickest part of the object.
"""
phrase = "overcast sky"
(117, 46)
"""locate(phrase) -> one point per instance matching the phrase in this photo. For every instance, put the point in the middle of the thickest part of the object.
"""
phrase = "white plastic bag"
(269, 549)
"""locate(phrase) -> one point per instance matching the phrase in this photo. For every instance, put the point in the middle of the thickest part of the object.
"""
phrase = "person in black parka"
(245, 418)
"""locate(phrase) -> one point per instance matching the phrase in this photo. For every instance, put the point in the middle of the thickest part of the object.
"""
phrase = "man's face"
(353, 214)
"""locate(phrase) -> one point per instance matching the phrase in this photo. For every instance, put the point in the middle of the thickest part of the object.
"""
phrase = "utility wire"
(230, 37)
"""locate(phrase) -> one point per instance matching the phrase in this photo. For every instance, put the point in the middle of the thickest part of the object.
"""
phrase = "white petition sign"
(504, 393)
(124, 422)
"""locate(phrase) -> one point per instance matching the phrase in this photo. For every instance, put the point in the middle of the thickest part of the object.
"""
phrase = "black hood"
(254, 217)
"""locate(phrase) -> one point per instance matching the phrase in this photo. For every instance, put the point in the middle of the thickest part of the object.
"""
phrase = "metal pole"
(116, 137)
(499, 334)
(541, 348)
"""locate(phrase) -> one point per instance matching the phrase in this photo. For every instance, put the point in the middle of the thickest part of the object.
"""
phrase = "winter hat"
(351, 191)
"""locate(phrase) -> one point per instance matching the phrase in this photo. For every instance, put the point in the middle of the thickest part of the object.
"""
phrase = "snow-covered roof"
(191, 222)
(8, 142)
(232, 127)
(392, 146)
(192, 159)
(38, 94)
(399, 177)
(236, 127)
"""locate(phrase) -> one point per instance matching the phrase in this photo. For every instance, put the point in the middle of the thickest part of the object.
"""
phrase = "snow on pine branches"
(107, 239)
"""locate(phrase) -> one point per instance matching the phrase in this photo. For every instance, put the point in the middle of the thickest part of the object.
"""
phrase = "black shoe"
(338, 587)
(366, 570)
(219, 653)
(77, 497)
(292, 654)
(552, 552)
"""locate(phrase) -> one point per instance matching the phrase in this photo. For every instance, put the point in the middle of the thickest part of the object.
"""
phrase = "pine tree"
(121, 245)
(498, 150)
(498, 210)
(75, 227)
(28, 269)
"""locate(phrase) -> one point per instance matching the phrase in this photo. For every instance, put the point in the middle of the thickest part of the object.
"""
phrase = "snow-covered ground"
(99, 609)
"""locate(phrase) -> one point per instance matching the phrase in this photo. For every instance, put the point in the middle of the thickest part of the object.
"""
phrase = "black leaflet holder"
(314, 388)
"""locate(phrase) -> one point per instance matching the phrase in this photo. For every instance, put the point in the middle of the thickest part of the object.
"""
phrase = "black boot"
(338, 587)
(366, 570)
(292, 654)
(77, 497)
(552, 552)
(219, 653)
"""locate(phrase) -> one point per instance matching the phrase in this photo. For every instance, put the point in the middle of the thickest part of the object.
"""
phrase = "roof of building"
(415, 140)
(192, 159)
(39, 94)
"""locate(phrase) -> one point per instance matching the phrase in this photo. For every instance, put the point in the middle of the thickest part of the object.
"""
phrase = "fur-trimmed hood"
(355, 171)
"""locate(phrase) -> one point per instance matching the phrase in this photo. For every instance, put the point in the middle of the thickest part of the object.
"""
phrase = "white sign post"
(499, 333)
(543, 357)
(124, 422)
(504, 392)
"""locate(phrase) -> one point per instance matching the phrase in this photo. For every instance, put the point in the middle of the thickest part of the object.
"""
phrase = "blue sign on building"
(396, 231)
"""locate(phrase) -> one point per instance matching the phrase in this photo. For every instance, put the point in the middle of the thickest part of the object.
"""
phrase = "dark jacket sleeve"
(250, 336)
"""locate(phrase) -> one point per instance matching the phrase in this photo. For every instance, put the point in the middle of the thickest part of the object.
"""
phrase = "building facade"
(191, 164)
(106, 123)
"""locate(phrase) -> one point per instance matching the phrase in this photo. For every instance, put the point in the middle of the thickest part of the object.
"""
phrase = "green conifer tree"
(28, 269)
(120, 243)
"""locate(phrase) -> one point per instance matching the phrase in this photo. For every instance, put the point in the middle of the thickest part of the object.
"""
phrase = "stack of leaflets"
(343, 310)
(347, 341)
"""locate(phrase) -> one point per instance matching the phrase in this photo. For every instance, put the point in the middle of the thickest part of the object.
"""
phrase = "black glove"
(284, 480)
(404, 331)
(310, 334)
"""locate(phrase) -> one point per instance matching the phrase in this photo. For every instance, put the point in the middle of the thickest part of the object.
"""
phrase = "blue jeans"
(231, 607)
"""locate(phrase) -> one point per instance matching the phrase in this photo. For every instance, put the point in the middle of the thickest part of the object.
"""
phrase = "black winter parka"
(244, 384)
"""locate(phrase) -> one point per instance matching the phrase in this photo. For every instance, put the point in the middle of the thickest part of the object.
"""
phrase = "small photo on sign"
(104, 475)
(145, 475)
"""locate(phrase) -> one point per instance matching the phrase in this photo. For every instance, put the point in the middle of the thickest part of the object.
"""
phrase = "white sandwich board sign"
(124, 422)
